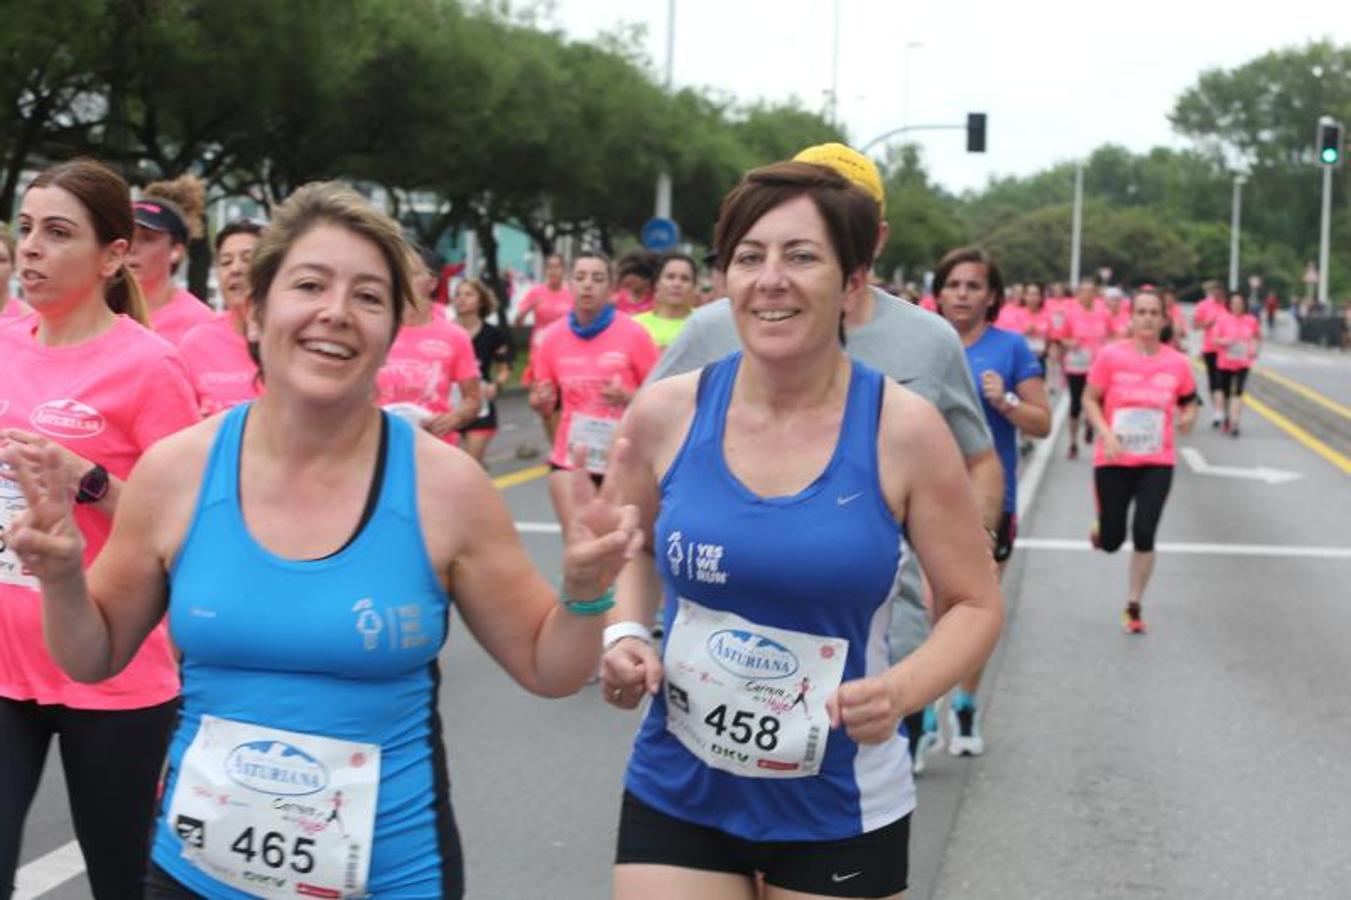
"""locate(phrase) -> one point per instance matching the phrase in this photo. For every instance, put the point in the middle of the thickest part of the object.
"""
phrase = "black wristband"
(93, 485)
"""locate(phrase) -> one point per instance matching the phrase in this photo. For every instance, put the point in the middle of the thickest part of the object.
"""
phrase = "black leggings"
(1213, 382)
(1232, 382)
(1076, 382)
(111, 760)
(1117, 487)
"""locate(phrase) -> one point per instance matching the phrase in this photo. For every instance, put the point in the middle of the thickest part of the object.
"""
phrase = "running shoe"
(1216, 420)
(930, 739)
(964, 720)
(1131, 618)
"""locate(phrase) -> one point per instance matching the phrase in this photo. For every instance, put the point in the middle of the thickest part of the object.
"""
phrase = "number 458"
(273, 850)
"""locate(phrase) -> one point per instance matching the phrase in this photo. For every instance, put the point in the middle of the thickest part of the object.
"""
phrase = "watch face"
(93, 486)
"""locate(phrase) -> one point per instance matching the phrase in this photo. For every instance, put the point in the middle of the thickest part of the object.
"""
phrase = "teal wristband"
(590, 607)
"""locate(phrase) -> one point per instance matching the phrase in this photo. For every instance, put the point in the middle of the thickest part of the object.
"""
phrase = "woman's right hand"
(45, 536)
(630, 669)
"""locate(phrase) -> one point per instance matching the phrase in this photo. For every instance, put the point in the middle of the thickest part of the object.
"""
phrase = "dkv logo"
(749, 655)
(67, 419)
(275, 767)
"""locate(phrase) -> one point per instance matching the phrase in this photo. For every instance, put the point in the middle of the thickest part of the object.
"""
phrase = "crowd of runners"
(311, 454)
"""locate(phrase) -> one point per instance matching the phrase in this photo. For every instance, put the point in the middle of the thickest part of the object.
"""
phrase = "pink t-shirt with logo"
(1121, 322)
(1089, 330)
(423, 364)
(548, 305)
(107, 400)
(222, 372)
(580, 369)
(175, 319)
(1058, 309)
(1242, 334)
(1039, 329)
(1206, 313)
(1139, 399)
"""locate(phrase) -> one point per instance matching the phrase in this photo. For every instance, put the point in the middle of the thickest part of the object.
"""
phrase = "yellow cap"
(852, 165)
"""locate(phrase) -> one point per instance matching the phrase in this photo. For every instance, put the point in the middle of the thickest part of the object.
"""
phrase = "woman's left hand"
(867, 708)
(603, 534)
(34, 448)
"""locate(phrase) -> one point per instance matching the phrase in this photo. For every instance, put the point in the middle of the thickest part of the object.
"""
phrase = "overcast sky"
(1057, 78)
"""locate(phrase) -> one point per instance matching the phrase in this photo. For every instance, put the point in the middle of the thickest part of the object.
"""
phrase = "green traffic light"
(1330, 155)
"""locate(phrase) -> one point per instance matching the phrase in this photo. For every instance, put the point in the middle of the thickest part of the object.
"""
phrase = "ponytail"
(123, 296)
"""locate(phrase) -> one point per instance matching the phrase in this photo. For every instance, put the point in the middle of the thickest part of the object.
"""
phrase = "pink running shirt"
(222, 372)
(423, 364)
(1089, 330)
(548, 305)
(630, 305)
(580, 369)
(1242, 334)
(175, 319)
(1204, 316)
(14, 309)
(107, 400)
(1039, 330)
(1011, 318)
(1139, 400)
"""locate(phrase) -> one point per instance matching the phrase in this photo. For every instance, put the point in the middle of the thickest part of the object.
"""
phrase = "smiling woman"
(783, 485)
(311, 545)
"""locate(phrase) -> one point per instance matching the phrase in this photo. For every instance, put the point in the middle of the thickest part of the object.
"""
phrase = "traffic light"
(975, 132)
(1330, 142)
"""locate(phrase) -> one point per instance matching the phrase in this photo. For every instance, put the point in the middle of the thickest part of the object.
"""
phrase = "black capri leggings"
(1076, 382)
(1117, 487)
(1232, 382)
(1213, 382)
(111, 760)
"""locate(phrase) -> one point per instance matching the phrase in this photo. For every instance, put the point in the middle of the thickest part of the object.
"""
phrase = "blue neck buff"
(598, 324)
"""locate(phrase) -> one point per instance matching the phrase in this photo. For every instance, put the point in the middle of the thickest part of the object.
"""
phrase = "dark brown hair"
(239, 226)
(487, 300)
(106, 196)
(994, 279)
(850, 214)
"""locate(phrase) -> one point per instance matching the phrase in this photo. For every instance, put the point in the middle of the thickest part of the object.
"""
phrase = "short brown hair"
(328, 203)
(106, 196)
(487, 300)
(850, 214)
(994, 279)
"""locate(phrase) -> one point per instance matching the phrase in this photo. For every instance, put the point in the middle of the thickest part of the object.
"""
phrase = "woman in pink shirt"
(637, 275)
(1175, 323)
(550, 302)
(1135, 389)
(10, 307)
(1088, 326)
(164, 224)
(1205, 315)
(84, 388)
(429, 361)
(593, 363)
(217, 353)
(1238, 339)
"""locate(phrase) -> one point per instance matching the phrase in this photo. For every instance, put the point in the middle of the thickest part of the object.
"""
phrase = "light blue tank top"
(343, 647)
(821, 562)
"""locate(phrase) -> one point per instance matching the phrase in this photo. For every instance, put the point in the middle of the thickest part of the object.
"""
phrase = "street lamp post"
(663, 210)
(1235, 213)
(1077, 226)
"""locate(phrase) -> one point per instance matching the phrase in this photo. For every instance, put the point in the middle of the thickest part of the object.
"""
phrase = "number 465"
(273, 850)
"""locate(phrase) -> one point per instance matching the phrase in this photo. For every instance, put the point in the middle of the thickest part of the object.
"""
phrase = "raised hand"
(602, 534)
(45, 537)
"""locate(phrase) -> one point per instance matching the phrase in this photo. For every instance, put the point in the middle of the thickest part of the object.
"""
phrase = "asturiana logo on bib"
(750, 655)
(67, 419)
(275, 767)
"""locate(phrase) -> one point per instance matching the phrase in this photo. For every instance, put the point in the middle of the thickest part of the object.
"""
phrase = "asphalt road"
(1206, 759)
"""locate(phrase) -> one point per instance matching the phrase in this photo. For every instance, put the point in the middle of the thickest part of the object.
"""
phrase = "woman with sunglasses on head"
(311, 544)
(85, 390)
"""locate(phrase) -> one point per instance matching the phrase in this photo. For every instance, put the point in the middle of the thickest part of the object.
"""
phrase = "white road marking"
(1198, 464)
(49, 871)
(1031, 543)
(1030, 481)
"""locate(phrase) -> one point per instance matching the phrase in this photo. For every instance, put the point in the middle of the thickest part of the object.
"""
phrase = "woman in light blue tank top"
(780, 489)
(306, 548)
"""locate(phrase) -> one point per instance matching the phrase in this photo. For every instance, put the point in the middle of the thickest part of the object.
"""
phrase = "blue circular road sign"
(660, 234)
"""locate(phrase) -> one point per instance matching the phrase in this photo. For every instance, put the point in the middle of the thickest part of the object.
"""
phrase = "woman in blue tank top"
(780, 489)
(306, 548)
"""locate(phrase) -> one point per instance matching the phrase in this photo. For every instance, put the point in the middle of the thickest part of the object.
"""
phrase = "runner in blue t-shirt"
(1013, 394)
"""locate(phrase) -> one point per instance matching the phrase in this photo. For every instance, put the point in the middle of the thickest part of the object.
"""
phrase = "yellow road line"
(503, 482)
(1305, 391)
(1299, 434)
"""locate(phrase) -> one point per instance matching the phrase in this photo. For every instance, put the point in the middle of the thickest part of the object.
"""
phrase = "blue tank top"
(820, 562)
(343, 647)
